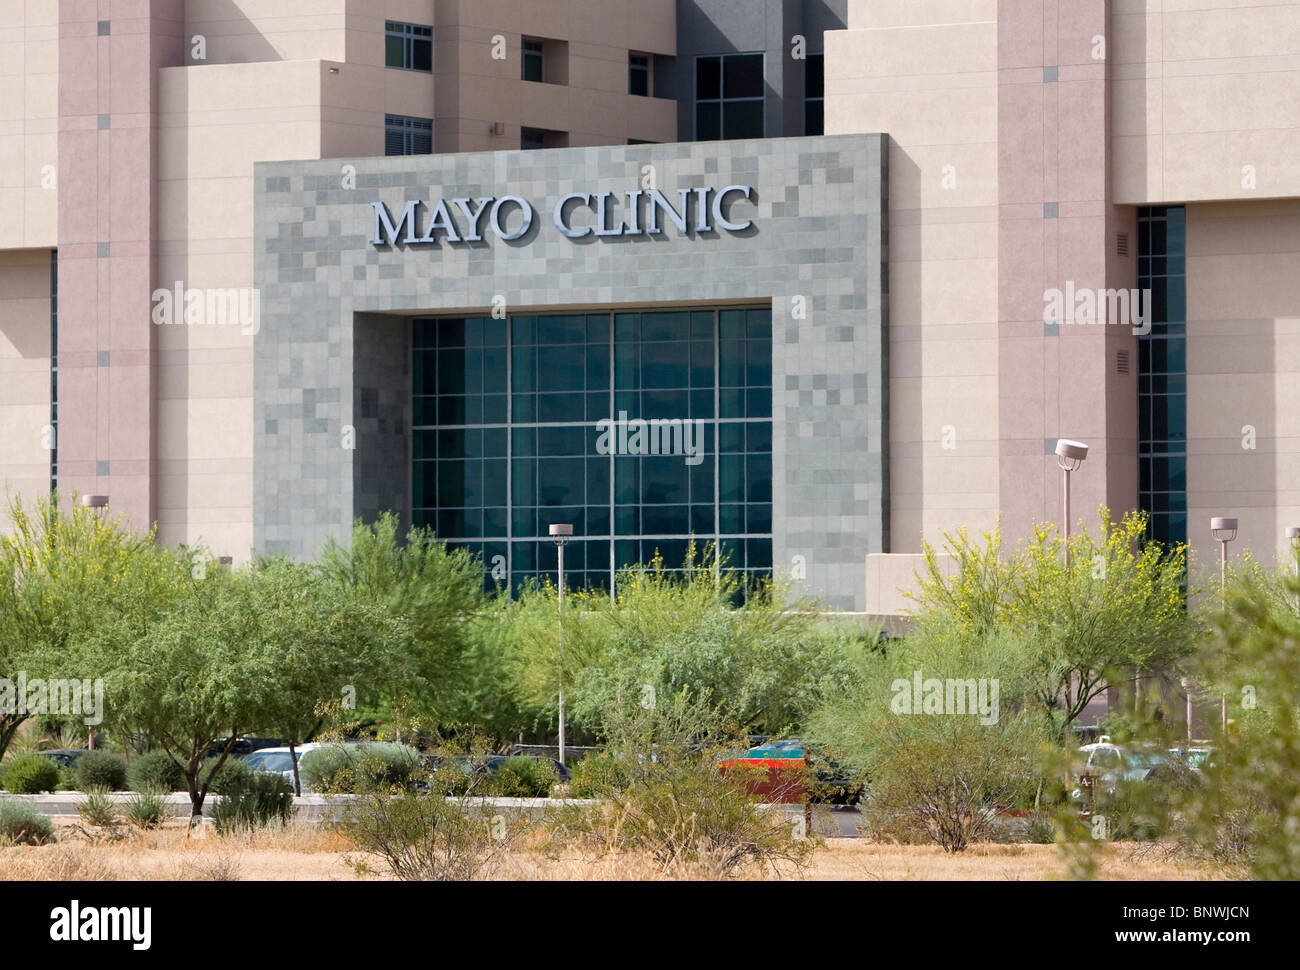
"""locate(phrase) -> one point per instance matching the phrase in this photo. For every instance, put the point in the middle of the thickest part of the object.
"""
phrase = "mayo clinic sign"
(577, 215)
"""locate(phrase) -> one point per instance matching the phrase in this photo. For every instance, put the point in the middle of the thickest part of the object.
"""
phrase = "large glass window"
(638, 75)
(407, 136)
(531, 66)
(814, 91)
(644, 430)
(408, 46)
(728, 96)
(1162, 372)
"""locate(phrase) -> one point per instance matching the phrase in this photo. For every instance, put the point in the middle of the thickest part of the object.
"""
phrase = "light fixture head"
(1293, 532)
(1225, 524)
(1076, 450)
(94, 501)
(561, 530)
(1070, 454)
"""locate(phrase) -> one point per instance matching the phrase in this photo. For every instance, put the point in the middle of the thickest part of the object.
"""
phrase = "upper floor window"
(728, 96)
(638, 75)
(814, 92)
(407, 136)
(532, 138)
(531, 69)
(408, 46)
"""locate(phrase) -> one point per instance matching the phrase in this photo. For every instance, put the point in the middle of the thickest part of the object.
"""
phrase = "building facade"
(814, 279)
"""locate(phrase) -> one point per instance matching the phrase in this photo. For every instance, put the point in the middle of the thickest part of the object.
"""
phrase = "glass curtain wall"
(643, 430)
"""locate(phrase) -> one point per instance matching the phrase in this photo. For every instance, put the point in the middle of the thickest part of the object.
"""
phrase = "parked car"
(796, 772)
(1108, 764)
(279, 761)
(243, 746)
(1196, 758)
(777, 771)
(63, 757)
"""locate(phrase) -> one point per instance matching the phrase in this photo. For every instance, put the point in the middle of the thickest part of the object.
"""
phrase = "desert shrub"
(98, 808)
(524, 778)
(266, 799)
(67, 778)
(326, 769)
(426, 837)
(669, 798)
(155, 769)
(344, 768)
(101, 769)
(30, 774)
(148, 808)
(232, 777)
(21, 824)
(1040, 831)
(945, 730)
(598, 773)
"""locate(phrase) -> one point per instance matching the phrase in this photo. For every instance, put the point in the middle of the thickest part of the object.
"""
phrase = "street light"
(1069, 456)
(98, 503)
(1293, 534)
(1224, 530)
(561, 532)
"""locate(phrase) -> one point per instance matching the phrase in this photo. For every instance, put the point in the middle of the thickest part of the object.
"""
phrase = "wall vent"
(1121, 244)
(1121, 362)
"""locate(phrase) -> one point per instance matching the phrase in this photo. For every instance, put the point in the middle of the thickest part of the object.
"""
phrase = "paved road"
(830, 821)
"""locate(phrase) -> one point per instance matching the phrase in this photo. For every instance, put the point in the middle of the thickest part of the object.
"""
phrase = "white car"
(277, 760)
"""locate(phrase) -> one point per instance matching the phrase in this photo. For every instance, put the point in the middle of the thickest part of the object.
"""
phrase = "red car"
(776, 772)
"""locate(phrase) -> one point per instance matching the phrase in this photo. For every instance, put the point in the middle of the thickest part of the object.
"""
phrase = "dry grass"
(309, 852)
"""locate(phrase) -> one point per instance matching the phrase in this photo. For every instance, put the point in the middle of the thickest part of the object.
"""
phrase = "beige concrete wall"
(243, 31)
(477, 90)
(1243, 369)
(1202, 90)
(927, 75)
(25, 435)
(894, 578)
(215, 121)
(29, 123)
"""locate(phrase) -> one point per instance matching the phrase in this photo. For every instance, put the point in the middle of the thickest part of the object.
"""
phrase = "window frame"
(409, 127)
(644, 68)
(532, 47)
(409, 34)
(722, 100)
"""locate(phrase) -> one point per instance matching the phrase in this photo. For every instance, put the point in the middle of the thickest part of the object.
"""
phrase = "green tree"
(314, 640)
(940, 724)
(1248, 811)
(1118, 608)
(434, 592)
(64, 576)
(763, 663)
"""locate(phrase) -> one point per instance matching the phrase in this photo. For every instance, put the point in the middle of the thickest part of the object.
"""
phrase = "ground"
(306, 851)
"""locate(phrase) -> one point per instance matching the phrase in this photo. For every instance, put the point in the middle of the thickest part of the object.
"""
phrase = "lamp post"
(1224, 530)
(561, 533)
(98, 503)
(1293, 535)
(1069, 456)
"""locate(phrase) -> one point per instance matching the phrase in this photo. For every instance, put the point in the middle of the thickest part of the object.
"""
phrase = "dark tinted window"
(408, 46)
(638, 75)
